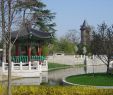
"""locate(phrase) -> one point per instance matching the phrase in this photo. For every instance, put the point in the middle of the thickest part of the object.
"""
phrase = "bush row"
(56, 90)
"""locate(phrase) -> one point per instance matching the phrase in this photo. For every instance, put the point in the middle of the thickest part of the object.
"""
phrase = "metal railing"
(18, 59)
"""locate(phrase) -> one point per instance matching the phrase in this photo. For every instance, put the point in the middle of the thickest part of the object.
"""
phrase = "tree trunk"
(9, 69)
(4, 52)
(3, 31)
(9, 47)
(108, 66)
(107, 69)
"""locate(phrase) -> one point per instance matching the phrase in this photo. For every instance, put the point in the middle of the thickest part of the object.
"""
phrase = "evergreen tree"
(35, 11)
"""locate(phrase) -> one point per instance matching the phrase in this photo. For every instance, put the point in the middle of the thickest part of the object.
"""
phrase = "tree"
(9, 45)
(35, 12)
(73, 36)
(80, 49)
(3, 29)
(10, 16)
(67, 43)
(37, 16)
(66, 46)
(102, 43)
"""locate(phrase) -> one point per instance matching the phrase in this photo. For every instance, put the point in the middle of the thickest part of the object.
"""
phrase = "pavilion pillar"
(39, 51)
(29, 52)
(17, 49)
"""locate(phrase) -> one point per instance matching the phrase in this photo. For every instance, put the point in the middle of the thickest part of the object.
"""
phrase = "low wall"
(29, 69)
(74, 59)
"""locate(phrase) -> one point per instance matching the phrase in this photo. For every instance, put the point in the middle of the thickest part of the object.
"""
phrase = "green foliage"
(29, 4)
(80, 49)
(66, 46)
(45, 50)
(54, 46)
(63, 45)
(33, 51)
(40, 16)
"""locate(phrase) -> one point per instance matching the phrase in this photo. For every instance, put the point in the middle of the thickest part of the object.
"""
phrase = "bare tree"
(9, 47)
(7, 16)
(73, 36)
(102, 43)
(3, 30)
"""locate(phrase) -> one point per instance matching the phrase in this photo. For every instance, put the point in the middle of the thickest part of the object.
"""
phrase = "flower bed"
(56, 90)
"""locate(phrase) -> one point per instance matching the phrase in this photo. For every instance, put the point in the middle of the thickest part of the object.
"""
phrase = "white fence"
(26, 66)
(30, 69)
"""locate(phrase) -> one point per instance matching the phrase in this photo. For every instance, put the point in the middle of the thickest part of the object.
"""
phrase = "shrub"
(58, 90)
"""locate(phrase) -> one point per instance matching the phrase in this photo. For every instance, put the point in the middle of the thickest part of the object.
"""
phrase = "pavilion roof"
(31, 32)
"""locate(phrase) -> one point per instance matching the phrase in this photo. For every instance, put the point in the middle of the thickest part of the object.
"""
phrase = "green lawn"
(89, 79)
(56, 65)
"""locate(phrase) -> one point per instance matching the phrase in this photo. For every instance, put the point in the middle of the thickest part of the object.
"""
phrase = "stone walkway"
(4, 77)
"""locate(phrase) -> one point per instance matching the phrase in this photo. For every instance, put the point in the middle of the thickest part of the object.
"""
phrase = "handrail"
(18, 59)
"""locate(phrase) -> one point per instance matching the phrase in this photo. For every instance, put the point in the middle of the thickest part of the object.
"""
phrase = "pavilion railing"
(18, 59)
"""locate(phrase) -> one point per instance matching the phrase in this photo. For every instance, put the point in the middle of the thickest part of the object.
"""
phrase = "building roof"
(31, 33)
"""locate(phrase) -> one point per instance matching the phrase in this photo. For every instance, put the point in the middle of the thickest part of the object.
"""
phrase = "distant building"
(85, 33)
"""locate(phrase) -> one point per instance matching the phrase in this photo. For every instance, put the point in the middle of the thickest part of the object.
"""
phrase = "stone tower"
(85, 33)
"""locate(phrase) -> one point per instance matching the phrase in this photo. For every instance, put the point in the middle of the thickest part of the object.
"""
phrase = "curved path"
(53, 77)
(60, 74)
(63, 73)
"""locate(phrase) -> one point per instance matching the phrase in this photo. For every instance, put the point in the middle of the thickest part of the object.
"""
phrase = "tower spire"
(85, 33)
(84, 25)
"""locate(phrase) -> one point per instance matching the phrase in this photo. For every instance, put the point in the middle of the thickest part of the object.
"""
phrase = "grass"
(89, 79)
(56, 66)
(56, 90)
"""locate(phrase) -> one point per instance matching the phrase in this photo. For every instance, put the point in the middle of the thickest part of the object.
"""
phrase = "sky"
(70, 14)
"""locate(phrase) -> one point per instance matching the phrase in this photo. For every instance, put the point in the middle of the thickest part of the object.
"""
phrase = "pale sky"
(70, 14)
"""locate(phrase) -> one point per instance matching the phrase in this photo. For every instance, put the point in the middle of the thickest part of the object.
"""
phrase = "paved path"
(60, 74)
(4, 77)
(1, 78)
